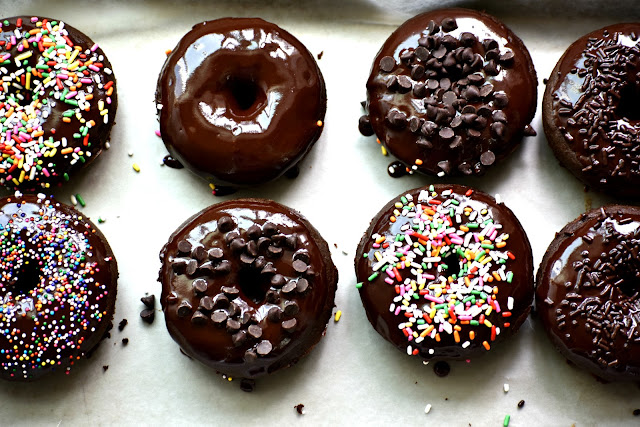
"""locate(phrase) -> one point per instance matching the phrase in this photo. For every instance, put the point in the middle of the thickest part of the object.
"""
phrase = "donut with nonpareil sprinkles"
(587, 294)
(57, 290)
(590, 109)
(445, 272)
(57, 102)
(241, 101)
(451, 92)
(248, 287)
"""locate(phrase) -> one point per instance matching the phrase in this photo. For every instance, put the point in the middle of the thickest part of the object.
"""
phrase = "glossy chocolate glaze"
(90, 63)
(60, 311)
(377, 295)
(587, 292)
(590, 112)
(516, 79)
(255, 293)
(240, 100)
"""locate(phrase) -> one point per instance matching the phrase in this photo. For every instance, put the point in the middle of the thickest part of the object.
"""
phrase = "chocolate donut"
(240, 101)
(451, 92)
(587, 294)
(445, 272)
(247, 287)
(590, 109)
(58, 287)
(58, 100)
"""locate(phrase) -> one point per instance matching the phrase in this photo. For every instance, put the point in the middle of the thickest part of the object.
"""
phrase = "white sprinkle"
(130, 153)
(440, 174)
(74, 201)
(498, 198)
(506, 388)
(510, 303)
(107, 145)
(427, 408)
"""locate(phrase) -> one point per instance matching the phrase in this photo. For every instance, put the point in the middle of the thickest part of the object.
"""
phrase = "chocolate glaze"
(239, 101)
(67, 290)
(50, 115)
(377, 295)
(590, 112)
(287, 299)
(587, 292)
(515, 82)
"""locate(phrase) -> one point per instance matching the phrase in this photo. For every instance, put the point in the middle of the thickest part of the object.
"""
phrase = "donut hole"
(245, 95)
(253, 285)
(28, 278)
(453, 263)
(628, 106)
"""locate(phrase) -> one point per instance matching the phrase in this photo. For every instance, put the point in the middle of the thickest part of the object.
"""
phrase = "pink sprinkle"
(375, 245)
(71, 94)
(45, 172)
(94, 68)
(5, 57)
(494, 235)
(75, 150)
(389, 280)
(38, 37)
(13, 39)
(62, 76)
(410, 336)
(401, 291)
(34, 19)
(25, 136)
(476, 237)
(20, 47)
(497, 306)
(397, 311)
(94, 47)
(9, 177)
(429, 276)
(390, 272)
(441, 328)
(434, 299)
(158, 134)
(86, 81)
(108, 100)
(480, 281)
(456, 240)
(464, 317)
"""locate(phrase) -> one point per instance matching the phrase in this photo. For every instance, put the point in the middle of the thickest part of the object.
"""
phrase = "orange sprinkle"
(319, 123)
(438, 337)
(486, 345)
(168, 52)
(66, 150)
(456, 336)
(418, 162)
(392, 219)
(472, 335)
(66, 119)
(110, 91)
(496, 276)
(88, 97)
(500, 244)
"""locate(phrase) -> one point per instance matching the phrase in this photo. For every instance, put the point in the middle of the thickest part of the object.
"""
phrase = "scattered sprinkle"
(319, 123)
(505, 387)
(338, 315)
(427, 408)
(80, 200)
(104, 368)
(507, 418)
(74, 200)
(158, 134)
(521, 404)
(101, 220)
(136, 167)
(130, 153)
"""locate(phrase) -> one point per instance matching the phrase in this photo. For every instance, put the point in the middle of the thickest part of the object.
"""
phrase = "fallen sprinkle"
(80, 200)
(338, 315)
(136, 167)
(74, 201)
(505, 387)
(427, 408)
(507, 418)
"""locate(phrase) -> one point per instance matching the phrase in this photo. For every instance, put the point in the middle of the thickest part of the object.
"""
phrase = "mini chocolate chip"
(291, 308)
(200, 285)
(278, 239)
(230, 291)
(149, 301)
(432, 28)
(223, 268)
(487, 158)
(178, 264)
(264, 348)
(521, 404)
(274, 314)
(198, 318)
(302, 285)
(255, 331)
(428, 128)
(485, 111)
(207, 267)
(206, 303)
(500, 99)
(233, 325)
(230, 236)
(252, 248)
(122, 324)
(125, 341)
(406, 56)
(246, 259)
(446, 133)
(415, 124)
(250, 356)
(465, 168)
(468, 118)
(450, 60)
(215, 253)
(449, 97)
(529, 131)
(475, 79)
(392, 83)
(291, 241)
(467, 56)
(220, 301)
(471, 93)
(507, 57)
(468, 39)
(239, 338)
(364, 125)
(440, 52)
(477, 62)
(489, 44)
(422, 53)
(493, 54)
(199, 253)
(272, 296)
(473, 134)
(445, 83)
(491, 68)
(245, 317)
(254, 231)
(289, 325)
(299, 266)
(497, 129)
(263, 243)
(233, 309)
(172, 298)
(424, 143)
(397, 119)
(148, 315)
(499, 116)
(192, 266)
(237, 244)
(278, 280)
(456, 143)
(310, 272)
(480, 123)
(184, 246)
(184, 309)
(419, 90)
(268, 269)
(226, 223)
(289, 287)
(269, 228)
(445, 166)
(274, 251)
(486, 90)
(387, 64)
(417, 72)
(449, 24)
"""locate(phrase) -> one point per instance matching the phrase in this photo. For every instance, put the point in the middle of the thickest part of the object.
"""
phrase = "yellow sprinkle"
(73, 55)
(136, 167)
(488, 311)
(319, 123)
(24, 56)
(229, 379)
(377, 255)
(338, 315)
(487, 323)
(28, 83)
(212, 186)
(384, 150)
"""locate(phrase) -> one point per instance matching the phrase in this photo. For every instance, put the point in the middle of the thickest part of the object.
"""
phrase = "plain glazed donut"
(58, 100)
(248, 286)
(587, 292)
(58, 287)
(590, 109)
(445, 272)
(451, 92)
(241, 101)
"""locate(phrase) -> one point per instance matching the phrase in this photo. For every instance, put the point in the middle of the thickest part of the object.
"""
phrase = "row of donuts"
(444, 271)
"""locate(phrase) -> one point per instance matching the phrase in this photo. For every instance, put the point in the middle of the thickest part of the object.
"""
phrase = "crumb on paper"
(300, 408)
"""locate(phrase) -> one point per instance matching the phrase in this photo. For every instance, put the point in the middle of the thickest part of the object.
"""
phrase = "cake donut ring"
(445, 272)
(248, 287)
(451, 92)
(240, 101)
(58, 287)
(590, 109)
(587, 294)
(58, 102)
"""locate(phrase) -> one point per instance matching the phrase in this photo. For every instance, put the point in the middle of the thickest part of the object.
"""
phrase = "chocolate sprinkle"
(521, 404)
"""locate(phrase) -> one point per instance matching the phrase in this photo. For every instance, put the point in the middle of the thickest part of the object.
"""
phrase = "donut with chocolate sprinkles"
(590, 110)
(587, 295)
(269, 304)
(451, 92)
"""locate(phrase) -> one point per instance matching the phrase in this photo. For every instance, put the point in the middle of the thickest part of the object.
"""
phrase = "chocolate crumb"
(636, 412)
(125, 341)
(441, 368)
(104, 368)
(320, 55)
(149, 301)
(122, 324)
(148, 315)
(300, 408)
(521, 404)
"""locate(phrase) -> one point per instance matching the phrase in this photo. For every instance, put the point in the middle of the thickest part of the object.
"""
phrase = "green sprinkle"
(455, 202)
(472, 225)
(101, 220)
(482, 294)
(420, 321)
(71, 102)
(507, 418)
(479, 256)
(373, 276)
(43, 67)
(358, 285)
(509, 276)
(66, 176)
(77, 135)
(403, 200)
(80, 200)
(474, 322)
(487, 246)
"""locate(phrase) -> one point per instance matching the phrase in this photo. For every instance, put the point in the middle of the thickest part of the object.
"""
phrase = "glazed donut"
(58, 97)
(240, 101)
(587, 292)
(445, 272)
(58, 287)
(248, 286)
(451, 92)
(590, 109)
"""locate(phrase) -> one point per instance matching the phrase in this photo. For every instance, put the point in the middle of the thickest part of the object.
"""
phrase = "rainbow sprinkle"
(48, 80)
(447, 258)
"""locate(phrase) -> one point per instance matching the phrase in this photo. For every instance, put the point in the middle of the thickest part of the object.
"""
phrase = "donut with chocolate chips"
(587, 295)
(248, 287)
(451, 92)
(57, 290)
(240, 101)
(590, 109)
(445, 272)
(58, 102)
